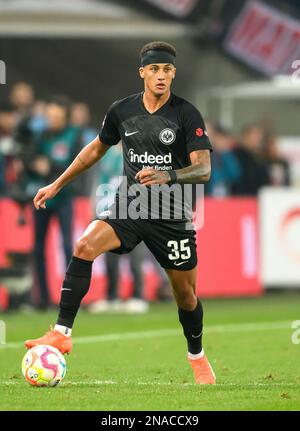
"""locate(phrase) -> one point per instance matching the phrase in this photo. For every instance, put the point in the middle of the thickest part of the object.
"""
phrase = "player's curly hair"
(159, 46)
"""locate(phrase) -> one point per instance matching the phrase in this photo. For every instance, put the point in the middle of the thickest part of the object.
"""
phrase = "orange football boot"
(203, 371)
(52, 338)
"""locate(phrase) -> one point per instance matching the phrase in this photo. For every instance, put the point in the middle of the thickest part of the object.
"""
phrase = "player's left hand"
(150, 176)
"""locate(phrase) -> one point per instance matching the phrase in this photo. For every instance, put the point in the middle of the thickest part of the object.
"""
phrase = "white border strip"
(244, 327)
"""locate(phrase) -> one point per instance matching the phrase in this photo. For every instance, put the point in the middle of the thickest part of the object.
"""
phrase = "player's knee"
(83, 249)
(186, 297)
(188, 303)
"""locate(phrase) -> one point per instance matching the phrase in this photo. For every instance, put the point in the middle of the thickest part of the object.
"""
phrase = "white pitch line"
(121, 336)
(153, 383)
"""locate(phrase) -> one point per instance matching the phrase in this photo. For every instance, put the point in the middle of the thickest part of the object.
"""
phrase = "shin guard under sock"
(75, 286)
(192, 323)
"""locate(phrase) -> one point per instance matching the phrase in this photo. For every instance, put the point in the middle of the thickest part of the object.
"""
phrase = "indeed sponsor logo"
(149, 158)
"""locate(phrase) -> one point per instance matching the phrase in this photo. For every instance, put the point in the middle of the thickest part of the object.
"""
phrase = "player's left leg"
(190, 314)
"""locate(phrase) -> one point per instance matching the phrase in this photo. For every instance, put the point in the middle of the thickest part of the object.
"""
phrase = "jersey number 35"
(179, 250)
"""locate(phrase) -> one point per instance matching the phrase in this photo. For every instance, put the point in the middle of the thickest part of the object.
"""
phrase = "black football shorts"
(171, 243)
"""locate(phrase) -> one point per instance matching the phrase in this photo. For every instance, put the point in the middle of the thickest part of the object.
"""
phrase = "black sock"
(75, 286)
(191, 322)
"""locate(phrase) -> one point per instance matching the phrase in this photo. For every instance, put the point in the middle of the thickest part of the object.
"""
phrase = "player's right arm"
(87, 157)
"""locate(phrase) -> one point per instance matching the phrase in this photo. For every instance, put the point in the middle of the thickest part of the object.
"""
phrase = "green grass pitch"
(138, 362)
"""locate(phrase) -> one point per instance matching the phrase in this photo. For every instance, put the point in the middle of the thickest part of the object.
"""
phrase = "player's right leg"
(174, 247)
(98, 238)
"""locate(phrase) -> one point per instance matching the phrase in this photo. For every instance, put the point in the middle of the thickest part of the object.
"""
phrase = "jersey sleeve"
(194, 129)
(109, 132)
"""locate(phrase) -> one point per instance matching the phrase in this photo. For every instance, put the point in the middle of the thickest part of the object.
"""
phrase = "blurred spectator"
(80, 118)
(110, 171)
(38, 120)
(55, 150)
(278, 167)
(22, 98)
(225, 166)
(7, 125)
(31, 118)
(254, 171)
(8, 145)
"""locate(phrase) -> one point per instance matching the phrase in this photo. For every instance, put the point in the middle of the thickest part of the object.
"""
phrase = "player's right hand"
(43, 195)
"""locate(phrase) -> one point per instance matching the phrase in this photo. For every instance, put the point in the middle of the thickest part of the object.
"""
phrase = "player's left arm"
(197, 173)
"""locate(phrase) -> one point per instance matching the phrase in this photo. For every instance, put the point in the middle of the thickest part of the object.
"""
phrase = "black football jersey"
(161, 140)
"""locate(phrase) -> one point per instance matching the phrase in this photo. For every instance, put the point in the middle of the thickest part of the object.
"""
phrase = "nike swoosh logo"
(197, 336)
(131, 133)
(65, 289)
(180, 263)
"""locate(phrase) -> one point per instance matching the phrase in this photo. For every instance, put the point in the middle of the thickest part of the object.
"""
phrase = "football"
(44, 366)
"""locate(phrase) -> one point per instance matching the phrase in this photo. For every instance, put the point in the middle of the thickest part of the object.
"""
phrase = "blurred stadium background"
(237, 62)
